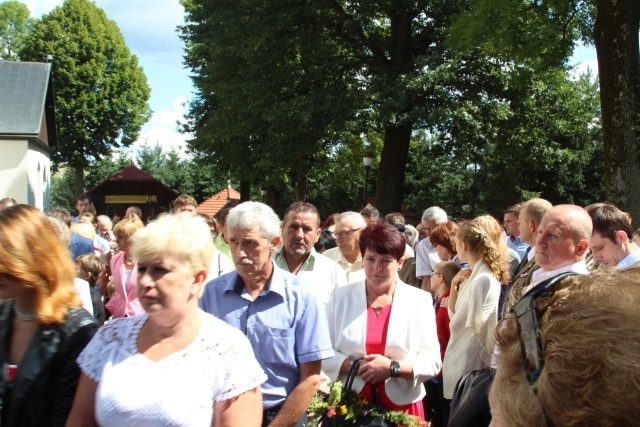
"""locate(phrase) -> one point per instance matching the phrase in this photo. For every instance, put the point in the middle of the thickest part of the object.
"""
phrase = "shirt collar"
(274, 284)
(541, 275)
(630, 259)
(307, 265)
(532, 253)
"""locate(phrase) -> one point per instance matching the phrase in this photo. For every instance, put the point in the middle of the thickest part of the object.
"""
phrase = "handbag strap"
(353, 371)
(375, 395)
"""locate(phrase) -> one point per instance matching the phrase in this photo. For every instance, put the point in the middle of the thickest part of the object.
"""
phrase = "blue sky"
(149, 28)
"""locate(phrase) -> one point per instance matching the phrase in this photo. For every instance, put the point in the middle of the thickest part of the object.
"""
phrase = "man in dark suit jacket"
(530, 216)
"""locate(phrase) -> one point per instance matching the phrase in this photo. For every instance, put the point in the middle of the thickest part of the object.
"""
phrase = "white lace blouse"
(178, 390)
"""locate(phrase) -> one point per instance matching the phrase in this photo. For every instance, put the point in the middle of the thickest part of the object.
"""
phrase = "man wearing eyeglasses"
(562, 242)
(612, 240)
(347, 253)
(426, 256)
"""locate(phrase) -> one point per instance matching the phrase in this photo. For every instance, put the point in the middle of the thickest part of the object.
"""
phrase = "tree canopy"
(300, 90)
(15, 24)
(101, 92)
(543, 34)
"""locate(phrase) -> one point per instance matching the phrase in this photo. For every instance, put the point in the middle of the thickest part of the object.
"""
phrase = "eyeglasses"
(344, 234)
(525, 311)
(428, 230)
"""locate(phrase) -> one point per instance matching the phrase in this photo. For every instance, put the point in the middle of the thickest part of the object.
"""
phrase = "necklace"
(376, 310)
(20, 315)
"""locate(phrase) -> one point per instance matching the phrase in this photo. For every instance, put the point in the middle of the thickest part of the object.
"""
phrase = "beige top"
(472, 327)
(354, 272)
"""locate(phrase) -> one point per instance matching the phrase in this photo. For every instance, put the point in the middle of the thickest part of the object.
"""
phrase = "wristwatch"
(395, 369)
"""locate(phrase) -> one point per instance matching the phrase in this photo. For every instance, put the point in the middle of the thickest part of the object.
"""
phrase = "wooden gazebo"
(131, 187)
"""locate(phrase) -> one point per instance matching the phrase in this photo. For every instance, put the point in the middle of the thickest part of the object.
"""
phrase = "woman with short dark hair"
(388, 323)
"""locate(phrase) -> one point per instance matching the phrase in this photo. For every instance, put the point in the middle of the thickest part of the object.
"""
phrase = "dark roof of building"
(132, 180)
(23, 91)
(131, 173)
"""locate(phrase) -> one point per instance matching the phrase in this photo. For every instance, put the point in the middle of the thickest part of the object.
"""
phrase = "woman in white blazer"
(473, 303)
(388, 323)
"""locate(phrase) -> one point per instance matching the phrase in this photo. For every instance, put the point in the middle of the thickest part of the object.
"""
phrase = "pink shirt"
(125, 301)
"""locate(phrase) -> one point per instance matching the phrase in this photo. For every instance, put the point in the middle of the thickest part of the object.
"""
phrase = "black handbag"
(470, 402)
(369, 420)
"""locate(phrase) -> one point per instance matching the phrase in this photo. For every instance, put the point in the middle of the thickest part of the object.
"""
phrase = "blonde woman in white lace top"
(473, 304)
(174, 365)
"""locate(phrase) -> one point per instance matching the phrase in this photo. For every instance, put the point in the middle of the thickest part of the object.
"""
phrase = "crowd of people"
(242, 318)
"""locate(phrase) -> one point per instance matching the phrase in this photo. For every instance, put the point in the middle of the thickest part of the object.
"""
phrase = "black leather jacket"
(43, 390)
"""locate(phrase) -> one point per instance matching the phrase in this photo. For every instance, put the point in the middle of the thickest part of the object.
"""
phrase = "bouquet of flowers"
(339, 409)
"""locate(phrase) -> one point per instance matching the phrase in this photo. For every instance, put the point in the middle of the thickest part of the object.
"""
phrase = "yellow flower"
(343, 410)
(362, 400)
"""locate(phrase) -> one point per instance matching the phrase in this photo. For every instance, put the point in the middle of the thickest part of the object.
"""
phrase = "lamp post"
(367, 160)
(263, 193)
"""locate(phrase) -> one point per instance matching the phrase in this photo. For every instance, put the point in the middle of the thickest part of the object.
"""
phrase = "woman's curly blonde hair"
(591, 352)
(480, 241)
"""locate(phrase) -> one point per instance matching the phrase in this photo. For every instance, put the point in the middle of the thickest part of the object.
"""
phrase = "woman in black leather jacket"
(43, 328)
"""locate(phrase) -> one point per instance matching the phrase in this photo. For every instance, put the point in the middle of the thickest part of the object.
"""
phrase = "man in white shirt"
(562, 242)
(300, 232)
(612, 240)
(426, 256)
(349, 225)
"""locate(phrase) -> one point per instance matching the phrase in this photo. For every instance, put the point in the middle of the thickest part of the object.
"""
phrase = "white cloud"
(161, 129)
(41, 7)
(582, 68)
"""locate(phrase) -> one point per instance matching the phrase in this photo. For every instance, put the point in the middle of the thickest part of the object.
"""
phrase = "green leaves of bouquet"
(336, 404)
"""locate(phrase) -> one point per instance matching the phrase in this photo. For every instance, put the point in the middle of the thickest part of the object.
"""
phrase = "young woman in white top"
(173, 365)
(473, 304)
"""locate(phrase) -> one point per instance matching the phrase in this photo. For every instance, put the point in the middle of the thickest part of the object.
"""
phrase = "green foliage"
(288, 93)
(15, 24)
(542, 140)
(101, 92)
(62, 194)
(99, 171)
(540, 33)
(271, 88)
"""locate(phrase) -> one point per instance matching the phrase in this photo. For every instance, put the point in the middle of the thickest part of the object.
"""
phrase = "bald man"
(562, 242)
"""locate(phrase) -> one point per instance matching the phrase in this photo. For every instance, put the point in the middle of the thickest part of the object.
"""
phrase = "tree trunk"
(616, 39)
(393, 164)
(302, 179)
(245, 191)
(78, 185)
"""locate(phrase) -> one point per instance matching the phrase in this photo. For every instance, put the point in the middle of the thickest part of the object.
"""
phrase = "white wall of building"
(25, 173)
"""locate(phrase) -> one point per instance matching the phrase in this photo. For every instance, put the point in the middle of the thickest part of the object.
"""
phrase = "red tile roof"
(212, 205)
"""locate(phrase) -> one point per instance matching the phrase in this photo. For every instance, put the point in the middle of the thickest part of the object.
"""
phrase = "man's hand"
(296, 404)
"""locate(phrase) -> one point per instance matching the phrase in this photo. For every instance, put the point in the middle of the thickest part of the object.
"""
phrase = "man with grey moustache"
(280, 315)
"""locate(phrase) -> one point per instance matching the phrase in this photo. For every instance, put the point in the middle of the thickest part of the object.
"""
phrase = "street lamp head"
(367, 160)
